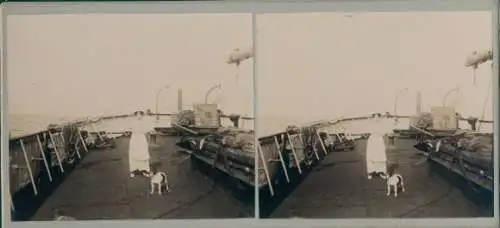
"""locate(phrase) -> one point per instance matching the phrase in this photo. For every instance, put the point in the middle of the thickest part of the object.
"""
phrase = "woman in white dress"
(139, 159)
(376, 159)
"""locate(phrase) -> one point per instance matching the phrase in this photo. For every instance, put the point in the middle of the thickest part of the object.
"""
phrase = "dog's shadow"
(333, 164)
(90, 164)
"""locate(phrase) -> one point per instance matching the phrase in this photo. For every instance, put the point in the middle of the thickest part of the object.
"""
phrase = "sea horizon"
(20, 124)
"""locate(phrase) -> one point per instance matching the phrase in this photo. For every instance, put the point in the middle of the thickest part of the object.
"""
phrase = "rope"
(441, 197)
(485, 102)
(430, 202)
(474, 75)
(237, 73)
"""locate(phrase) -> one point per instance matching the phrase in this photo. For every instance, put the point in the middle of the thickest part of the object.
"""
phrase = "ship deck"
(338, 187)
(100, 188)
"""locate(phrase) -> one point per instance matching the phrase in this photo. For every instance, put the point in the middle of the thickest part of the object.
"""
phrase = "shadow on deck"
(339, 188)
(100, 188)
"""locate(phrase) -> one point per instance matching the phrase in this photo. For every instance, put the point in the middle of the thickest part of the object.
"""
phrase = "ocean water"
(121, 124)
(269, 126)
(24, 124)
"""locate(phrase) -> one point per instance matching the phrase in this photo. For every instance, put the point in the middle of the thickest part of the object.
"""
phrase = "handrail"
(79, 121)
(267, 143)
(95, 119)
(319, 124)
(50, 149)
(272, 138)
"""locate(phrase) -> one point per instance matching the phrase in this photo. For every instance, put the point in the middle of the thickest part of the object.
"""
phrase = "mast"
(419, 102)
(179, 100)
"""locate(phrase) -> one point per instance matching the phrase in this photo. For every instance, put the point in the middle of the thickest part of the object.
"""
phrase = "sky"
(314, 66)
(329, 64)
(99, 64)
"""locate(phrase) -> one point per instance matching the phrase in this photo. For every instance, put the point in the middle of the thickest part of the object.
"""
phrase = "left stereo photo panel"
(130, 116)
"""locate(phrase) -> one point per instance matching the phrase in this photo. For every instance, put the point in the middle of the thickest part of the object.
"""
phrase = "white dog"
(394, 182)
(158, 179)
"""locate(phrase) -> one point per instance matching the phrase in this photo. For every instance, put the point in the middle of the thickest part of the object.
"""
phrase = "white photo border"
(254, 7)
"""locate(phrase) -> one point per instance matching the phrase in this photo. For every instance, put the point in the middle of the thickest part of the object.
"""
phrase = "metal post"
(77, 150)
(303, 145)
(485, 103)
(62, 137)
(83, 141)
(210, 91)
(281, 159)
(474, 75)
(157, 98)
(396, 98)
(47, 166)
(56, 152)
(98, 133)
(340, 138)
(12, 207)
(28, 165)
(321, 143)
(419, 102)
(392, 140)
(179, 100)
(445, 98)
(331, 139)
(294, 154)
(156, 107)
(261, 155)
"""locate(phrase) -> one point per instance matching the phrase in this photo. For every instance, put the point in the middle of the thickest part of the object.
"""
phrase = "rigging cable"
(485, 102)
(430, 202)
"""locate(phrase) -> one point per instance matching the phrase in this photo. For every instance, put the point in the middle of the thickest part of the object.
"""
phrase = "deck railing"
(44, 150)
(270, 148)
(303, 146)
(49, 150)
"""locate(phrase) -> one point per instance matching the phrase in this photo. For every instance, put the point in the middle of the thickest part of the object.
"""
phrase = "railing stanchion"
(98, 132)
(294, 153)
(266, 171)
(281, 159)
(77, 150)
(28, 165)
(47, 166)
(83, 141)
(61, 135)
(321, 143)
(56, 152)
(303, 145)
(12, 206)
(333, 141)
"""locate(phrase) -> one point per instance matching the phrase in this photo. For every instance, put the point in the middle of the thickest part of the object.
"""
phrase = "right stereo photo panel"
(374, 114)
